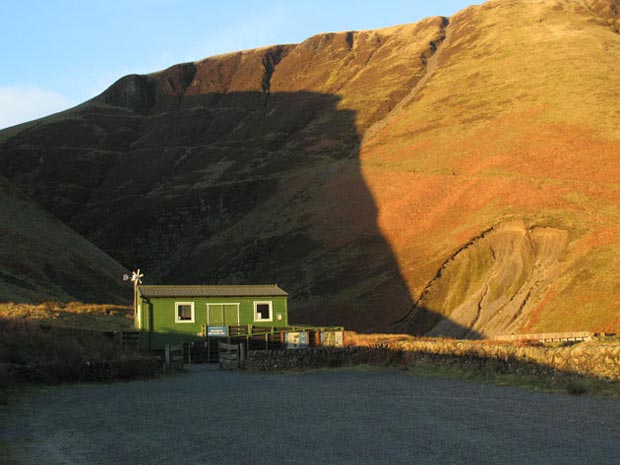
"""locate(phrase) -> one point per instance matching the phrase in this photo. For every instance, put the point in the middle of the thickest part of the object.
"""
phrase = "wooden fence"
(250, 337)
(548, 337)
(267, 338)
(128, 340)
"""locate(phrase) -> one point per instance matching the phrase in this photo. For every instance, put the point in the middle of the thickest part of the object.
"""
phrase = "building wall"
(159, 326)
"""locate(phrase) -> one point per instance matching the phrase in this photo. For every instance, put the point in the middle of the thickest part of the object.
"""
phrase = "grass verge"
(561, 383)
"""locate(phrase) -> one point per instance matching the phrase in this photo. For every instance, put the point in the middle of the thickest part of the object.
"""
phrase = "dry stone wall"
(596, 359)
(593, 359)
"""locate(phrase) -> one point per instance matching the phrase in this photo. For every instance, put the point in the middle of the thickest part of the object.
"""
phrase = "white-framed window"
(184, 312)
(263, 310)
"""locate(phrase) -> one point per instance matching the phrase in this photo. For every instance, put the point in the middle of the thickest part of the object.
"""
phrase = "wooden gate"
(173, 356)
(231, 356)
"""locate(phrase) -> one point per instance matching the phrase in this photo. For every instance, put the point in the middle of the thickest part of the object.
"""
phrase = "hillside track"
(339, 417)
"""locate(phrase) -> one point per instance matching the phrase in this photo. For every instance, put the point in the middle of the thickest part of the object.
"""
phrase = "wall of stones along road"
(597, 359)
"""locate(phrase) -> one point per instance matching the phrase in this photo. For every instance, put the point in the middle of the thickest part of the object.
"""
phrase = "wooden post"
(167, 356)
(242, 355)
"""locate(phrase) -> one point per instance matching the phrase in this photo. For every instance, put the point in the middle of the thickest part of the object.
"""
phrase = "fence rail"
(549, 337)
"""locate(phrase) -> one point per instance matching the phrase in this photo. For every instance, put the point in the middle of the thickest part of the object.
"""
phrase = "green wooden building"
(175, 314)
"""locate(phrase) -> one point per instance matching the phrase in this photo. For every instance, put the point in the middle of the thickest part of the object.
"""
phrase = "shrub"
(35, 352)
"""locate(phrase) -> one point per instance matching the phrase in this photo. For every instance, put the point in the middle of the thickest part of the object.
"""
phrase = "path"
(328, 417)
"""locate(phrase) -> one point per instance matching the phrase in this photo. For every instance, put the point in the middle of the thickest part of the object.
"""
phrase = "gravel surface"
(327, 417)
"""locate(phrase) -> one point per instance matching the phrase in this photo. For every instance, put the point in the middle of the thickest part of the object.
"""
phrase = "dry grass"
(380, 353)
(355, 339)
(54, 342)
(28, 342)
(106, 317)
(31, 352)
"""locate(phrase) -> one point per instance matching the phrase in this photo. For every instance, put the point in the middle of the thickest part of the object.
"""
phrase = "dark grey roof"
(269, 290)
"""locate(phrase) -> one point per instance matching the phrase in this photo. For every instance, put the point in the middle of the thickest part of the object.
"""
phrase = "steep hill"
(43, 259)
(456, 176)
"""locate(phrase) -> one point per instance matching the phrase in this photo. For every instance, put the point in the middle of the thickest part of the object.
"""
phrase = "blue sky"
(58, 53)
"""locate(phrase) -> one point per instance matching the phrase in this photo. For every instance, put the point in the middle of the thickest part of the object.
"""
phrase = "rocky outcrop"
(490, 285)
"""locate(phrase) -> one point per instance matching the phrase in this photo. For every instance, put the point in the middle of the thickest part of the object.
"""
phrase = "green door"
(231, 314)
(215, 314)
(222, 314)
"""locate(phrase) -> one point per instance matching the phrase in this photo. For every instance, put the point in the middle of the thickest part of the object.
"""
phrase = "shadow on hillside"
(241, 187)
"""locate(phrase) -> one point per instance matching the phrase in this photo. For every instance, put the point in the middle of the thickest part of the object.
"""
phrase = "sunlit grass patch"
(107, 317)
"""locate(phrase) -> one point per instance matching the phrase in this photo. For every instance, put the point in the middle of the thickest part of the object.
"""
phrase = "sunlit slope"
(42, 259)
(457, 176)
(518, 121)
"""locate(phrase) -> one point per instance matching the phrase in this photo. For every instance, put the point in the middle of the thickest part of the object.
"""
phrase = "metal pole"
(135, 300)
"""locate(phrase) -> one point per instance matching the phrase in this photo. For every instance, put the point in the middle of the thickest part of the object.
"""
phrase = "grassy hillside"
(41, 258)
(527, 130)
(457, 176)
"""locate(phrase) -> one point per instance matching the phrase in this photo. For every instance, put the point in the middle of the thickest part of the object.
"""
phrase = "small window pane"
(184, 312)
(262, 310)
